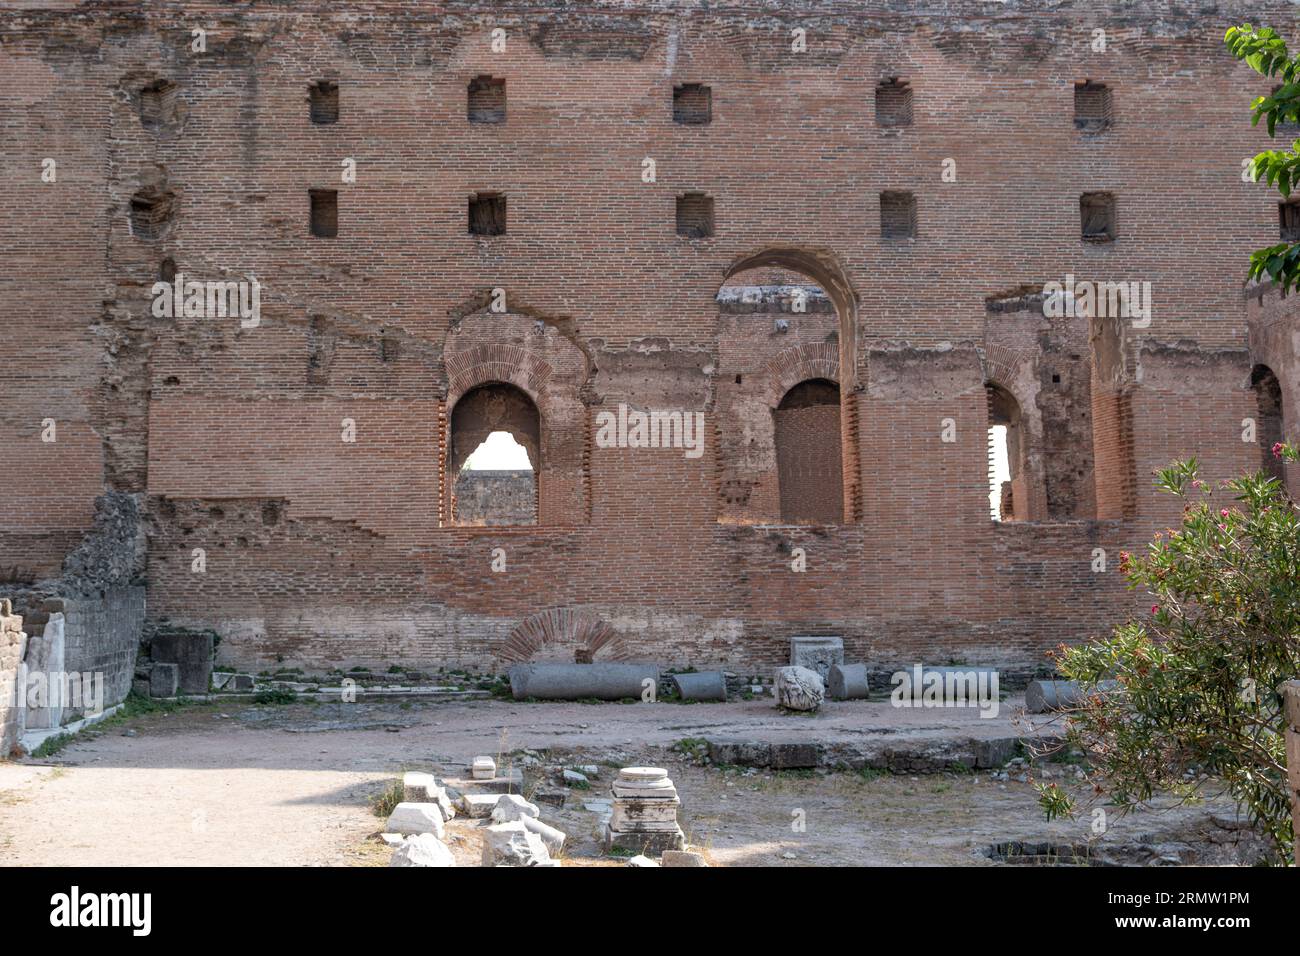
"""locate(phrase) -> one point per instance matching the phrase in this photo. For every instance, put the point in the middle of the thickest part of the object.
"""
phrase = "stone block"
(628, 815)
(513, 844)
(682, 858)
(191, 652)
(164, 680)
(653, 842)
(551, 796)
(511, 807)
(412, 818)
(478, 805)
(791, 756)
(483, 768)
(416, 787)
(817, 653)
(423, 849)
(740, 753)
(506, 781)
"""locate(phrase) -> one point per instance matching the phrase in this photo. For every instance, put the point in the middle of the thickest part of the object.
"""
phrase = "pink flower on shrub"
(1223, 513)
(1155, 608)
(1277, 449)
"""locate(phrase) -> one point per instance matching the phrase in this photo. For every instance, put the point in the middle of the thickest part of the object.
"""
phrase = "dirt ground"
(242, 784)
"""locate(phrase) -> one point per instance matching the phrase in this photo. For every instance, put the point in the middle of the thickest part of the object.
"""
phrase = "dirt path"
(226, 784)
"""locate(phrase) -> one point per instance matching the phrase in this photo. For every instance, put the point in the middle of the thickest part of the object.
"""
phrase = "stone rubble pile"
(641, 819)
(513, 835)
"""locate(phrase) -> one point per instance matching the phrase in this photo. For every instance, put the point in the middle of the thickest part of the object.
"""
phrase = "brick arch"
(824, 267)
(485, 364)
(590, 636)
(1001, 365)
(800, 363)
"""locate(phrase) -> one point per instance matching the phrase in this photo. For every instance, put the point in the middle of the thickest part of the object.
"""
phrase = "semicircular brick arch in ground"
(572, 635)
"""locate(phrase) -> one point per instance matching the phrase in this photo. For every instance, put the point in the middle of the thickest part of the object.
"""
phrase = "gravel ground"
(241, 784)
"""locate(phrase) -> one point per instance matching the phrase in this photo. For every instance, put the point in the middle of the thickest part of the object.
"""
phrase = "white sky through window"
(499, 452)
(1001, 469)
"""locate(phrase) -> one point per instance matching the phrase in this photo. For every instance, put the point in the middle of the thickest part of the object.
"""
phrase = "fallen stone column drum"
(577, 681)
(847, 681)
(711, 685)
(1042, 696)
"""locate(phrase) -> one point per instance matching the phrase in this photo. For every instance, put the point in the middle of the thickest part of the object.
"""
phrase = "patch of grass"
(52, 745)
(798, 773)
(280, 695)
(872, 773)
(387, 800)
(692, 746)
(621, 852)
(137, 705)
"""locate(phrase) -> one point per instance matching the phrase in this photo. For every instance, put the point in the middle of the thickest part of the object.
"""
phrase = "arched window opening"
(1007, 487)
(1268, 426)
(808, 454)
(493, 457)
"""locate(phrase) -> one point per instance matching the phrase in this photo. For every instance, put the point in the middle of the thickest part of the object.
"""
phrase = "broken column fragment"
(1042, 696)
(848, 681)
(798, 688)
(415, 818)
(711, 685)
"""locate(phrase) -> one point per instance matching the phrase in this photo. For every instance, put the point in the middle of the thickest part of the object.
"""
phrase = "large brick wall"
(323, 551)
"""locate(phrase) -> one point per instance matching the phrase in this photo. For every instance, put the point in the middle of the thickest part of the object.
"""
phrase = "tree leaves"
(1266, 53)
